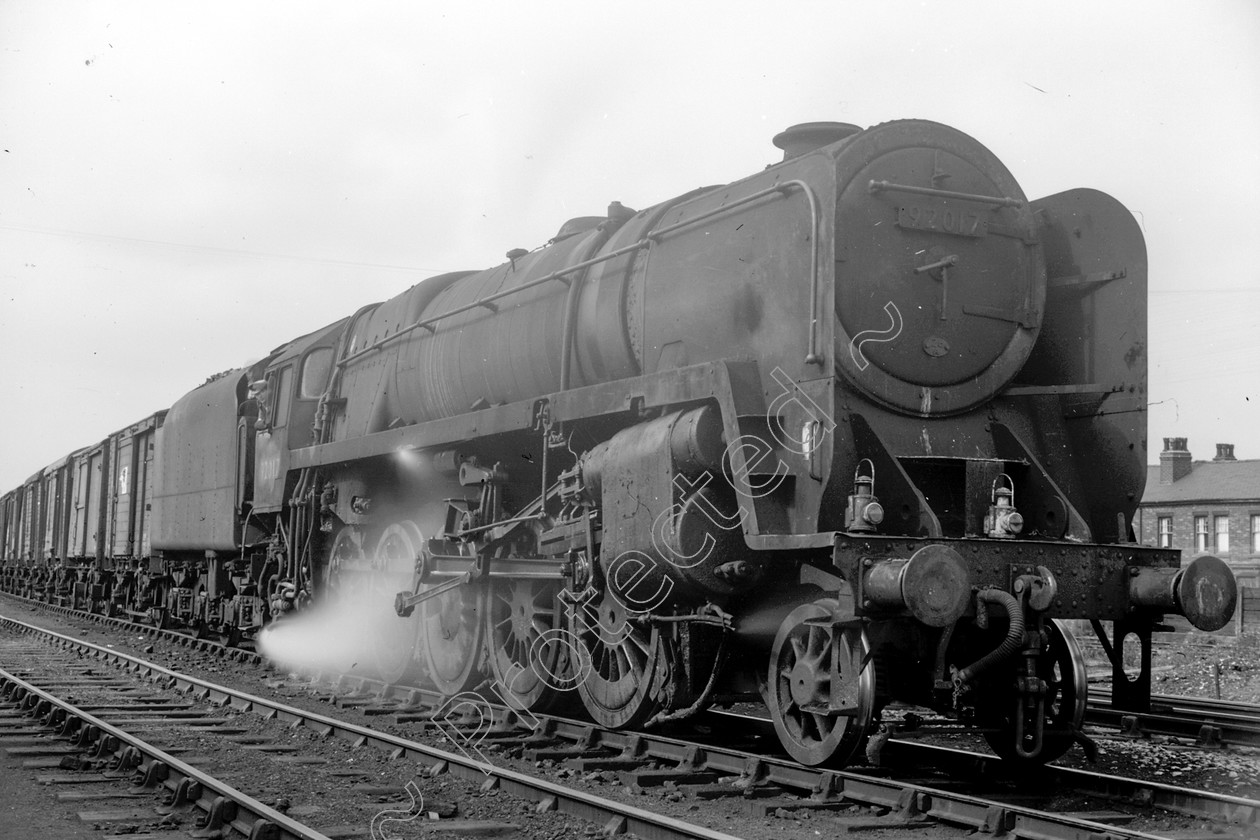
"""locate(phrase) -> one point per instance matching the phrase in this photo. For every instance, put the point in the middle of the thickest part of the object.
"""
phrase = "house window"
(1200, 533)
(1255, 533)
(1221, 524)
(1165, 531)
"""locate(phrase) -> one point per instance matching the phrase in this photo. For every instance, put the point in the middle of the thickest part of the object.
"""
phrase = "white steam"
(353, 631)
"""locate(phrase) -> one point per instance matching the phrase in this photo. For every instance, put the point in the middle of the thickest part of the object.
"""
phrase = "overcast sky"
(185, 186)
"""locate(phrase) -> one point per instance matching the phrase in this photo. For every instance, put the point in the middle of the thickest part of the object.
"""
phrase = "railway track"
(1206, 721)
(107, 733)
(1209, 722)
(190, 640)
(762, 785)
(159, 765)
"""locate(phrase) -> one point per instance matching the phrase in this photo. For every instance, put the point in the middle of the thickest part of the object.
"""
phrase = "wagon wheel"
(626, 673)
(528, 660)
(121, 598)
(800, 683)
(1062, 667)
(200, 622)
(393, 638)
(100, 606)
(159, 614)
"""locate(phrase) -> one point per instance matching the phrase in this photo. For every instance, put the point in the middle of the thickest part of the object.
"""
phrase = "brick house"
(1206, 507)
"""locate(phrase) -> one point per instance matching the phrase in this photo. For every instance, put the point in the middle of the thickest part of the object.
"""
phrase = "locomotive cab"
(285, 393)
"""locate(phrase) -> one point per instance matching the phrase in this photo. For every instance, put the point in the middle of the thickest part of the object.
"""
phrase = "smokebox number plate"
(942, 219)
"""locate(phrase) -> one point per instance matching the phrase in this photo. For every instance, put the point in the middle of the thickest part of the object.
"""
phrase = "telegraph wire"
(214, 249)
(1203, 292)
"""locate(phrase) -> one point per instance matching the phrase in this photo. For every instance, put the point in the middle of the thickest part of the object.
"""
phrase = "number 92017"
(942, 220)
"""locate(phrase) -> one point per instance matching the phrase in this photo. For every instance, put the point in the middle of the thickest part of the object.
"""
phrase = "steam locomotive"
(865, 427)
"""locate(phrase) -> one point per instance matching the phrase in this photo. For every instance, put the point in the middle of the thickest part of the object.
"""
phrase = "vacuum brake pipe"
(1014, 635)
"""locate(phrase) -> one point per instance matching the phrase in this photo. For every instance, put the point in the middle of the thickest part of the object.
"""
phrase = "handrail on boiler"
(812, 357)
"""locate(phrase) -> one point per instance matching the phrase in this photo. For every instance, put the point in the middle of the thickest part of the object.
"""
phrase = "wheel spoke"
(801, 660)
(819, 640)
(621, 664)
(798, 647)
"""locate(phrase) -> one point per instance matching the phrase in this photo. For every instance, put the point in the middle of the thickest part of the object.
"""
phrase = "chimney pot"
(1174, 461)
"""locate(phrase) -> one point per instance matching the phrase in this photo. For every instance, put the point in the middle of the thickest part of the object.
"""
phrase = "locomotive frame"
(867, 427)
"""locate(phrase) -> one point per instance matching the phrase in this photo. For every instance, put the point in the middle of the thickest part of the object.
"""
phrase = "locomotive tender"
(865, 427)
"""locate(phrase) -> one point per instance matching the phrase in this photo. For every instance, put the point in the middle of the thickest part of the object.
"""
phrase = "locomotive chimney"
(1224, 452)
(1174, 461)
(798, 139)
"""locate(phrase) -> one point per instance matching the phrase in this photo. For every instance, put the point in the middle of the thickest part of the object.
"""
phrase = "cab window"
(315, 369)
(284, 395)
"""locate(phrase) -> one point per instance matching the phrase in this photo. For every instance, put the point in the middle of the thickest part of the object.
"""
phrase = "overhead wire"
(214, 249)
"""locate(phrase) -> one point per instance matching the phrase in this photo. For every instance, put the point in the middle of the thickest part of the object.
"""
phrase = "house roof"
(1217, 481)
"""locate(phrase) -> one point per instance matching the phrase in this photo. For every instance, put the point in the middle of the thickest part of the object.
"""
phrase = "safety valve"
(864, 512)
(1003, 521)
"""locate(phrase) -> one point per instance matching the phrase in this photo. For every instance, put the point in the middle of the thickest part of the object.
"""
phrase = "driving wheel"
(625, 674)
(393, 638)
(528, 654)
(450, 638)
(348, 568)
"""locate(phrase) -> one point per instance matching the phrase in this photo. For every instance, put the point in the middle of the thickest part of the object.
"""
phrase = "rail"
(1208, 721)
(815, 787)
(223, 804)
(617, 817)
